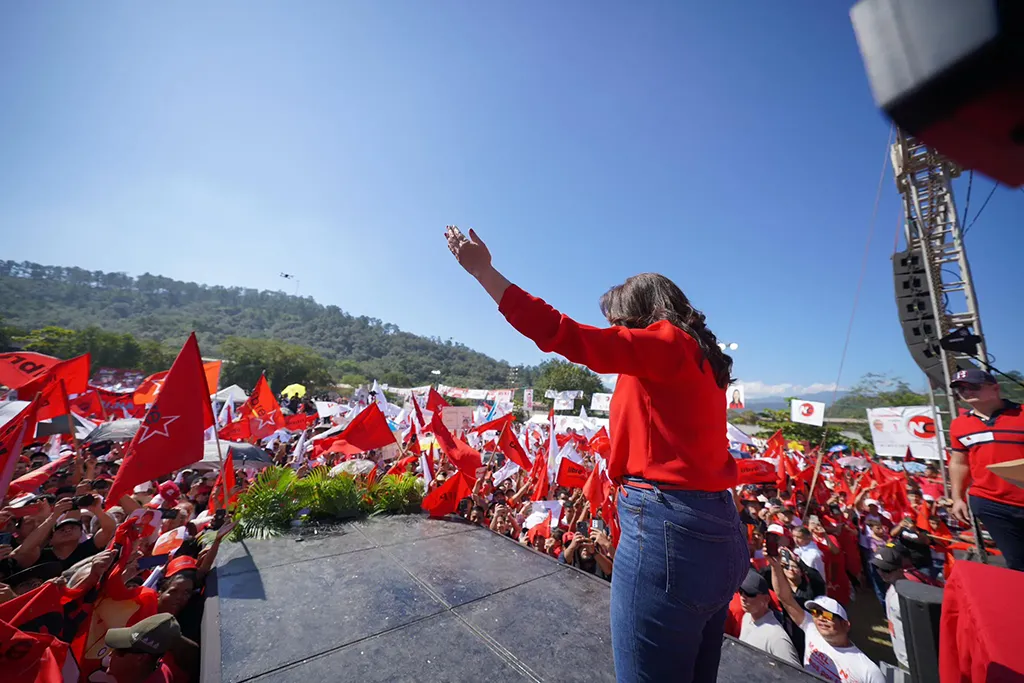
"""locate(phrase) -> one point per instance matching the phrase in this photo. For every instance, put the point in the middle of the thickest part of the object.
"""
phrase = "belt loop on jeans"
(657, 492)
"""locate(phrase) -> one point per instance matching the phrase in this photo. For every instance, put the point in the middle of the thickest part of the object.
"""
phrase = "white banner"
(893, 430)
(564, 404)
(575, 393)
(329, 408)
(457, 418)
(476, 394)
(528, 400)
(501, 395)
(602, 402)
(807, 412)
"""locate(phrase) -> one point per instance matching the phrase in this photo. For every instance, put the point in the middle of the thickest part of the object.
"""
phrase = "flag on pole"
(13, 436)
(171, 435)
(807, 412)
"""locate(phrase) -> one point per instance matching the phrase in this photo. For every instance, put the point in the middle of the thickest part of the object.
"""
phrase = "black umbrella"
(116, 430)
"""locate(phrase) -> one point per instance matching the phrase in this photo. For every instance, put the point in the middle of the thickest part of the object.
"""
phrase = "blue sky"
(731, 146)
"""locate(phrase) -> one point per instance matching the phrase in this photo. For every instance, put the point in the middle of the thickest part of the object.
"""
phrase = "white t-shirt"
(892, 613)
(768, 635)
(836, 664)
(810, 555)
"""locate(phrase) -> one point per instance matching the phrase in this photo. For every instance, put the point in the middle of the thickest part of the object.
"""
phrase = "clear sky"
(732, 146)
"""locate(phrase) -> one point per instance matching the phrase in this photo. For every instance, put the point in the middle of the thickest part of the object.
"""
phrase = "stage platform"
(415, 599)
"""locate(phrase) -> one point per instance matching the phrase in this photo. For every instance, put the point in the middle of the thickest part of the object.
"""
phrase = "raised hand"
(471, 253)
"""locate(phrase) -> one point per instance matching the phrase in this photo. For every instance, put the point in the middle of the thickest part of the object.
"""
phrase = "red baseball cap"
(180, 564)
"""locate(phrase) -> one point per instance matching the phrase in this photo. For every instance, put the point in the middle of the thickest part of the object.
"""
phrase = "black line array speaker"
(950, 72)
(921, 610)
(917, 315)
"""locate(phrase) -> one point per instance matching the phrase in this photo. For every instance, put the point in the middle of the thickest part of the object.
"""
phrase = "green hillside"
(151, 307)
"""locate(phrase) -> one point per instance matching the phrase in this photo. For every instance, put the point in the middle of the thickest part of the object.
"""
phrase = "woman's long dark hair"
(645, 299)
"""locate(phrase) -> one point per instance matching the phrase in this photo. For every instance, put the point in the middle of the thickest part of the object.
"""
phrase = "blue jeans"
(681, 557)
(1005, 523)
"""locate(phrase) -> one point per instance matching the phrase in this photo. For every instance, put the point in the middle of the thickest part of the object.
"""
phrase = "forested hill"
(159, 308)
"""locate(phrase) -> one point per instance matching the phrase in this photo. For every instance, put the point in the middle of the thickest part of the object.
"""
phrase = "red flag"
(908, 456)
(412, 444)
(571, 474)
(119, 404)
(539, 476)
(601, 443)
(261, 410)
(512, 449)
(419, 413)
(435, 402)
(445, 498)
(401, 465)
(368, 430)
(465, 458)
(35, 658)
(543, 529)
(13, 435)
(776, 445)
(88, 404)
(171, 435)
(496, 425)
(147, 392)
(53, 401)
(593, 490)
(21, 367)
(236, 431)
(755, 471)
(300, 422)
(28, 483)
(51, 609)
(226, 474)
(74, 372)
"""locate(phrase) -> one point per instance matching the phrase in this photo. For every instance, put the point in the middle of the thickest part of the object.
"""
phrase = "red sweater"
(667, 417)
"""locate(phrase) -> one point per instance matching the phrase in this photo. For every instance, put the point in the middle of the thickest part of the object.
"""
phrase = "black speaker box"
(921, 610)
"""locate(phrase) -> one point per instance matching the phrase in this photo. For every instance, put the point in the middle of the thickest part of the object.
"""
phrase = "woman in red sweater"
(681, 553)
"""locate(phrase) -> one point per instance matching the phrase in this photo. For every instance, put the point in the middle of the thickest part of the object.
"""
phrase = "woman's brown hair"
(645, 299)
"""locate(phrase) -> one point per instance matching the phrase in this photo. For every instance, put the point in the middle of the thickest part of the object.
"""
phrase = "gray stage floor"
(415, 599)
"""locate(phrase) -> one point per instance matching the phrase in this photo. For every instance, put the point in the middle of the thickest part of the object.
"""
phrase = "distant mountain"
(780, 402)
(152, 307)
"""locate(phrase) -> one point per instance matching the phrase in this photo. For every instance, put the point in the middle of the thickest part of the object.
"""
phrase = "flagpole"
(220, 457)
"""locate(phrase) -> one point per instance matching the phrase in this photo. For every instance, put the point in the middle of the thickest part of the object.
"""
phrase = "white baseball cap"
(144, 487)
(776, 529)
(828, 604)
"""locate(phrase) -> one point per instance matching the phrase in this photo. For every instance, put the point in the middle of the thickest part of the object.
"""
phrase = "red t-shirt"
(668, 415)
(998, 439)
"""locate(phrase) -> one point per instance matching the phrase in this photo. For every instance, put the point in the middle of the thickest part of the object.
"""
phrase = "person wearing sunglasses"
(992, 432)
(760, 627)
(828, 651)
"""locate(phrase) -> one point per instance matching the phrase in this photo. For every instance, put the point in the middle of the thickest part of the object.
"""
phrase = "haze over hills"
(33, 296)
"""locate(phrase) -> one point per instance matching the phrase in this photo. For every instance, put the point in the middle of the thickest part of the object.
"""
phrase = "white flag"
(506, 471)
(583, 412)
(299, 454)
(807, 412)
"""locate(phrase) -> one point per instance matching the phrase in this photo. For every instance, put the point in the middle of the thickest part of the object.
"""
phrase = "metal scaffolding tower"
(932, 230)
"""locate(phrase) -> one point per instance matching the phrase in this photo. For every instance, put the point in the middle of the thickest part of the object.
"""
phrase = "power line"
(967, 203)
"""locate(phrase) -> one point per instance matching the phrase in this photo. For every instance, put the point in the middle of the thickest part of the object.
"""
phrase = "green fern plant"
(395, 494)
(328, 497)
(270, 504)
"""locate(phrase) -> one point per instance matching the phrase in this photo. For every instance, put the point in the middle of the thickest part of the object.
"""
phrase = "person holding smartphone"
(678, 570)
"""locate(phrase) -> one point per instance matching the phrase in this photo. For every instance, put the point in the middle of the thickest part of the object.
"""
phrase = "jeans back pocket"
(701, 564)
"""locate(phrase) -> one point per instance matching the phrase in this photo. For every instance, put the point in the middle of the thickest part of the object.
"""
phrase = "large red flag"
(13, 436)
(262, 411)
(512, 449)
(571, 474)
(74, 372)
(401, 465)
(601, 444)
(539, 476)
(171, 434)
(299, 422)
(147, 392)
(445, 498)
(35, 658)
(21, 367)
(368, 430)
(465, 458)
(755, 471)
(542, 529)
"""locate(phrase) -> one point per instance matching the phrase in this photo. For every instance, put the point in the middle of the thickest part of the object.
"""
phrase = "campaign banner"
(756, 471)
(807, 412)
(564, 403)
(528, 400)
(735, 398)
(457, 418)
(894, 430)
(574, 394)
(601, 402)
